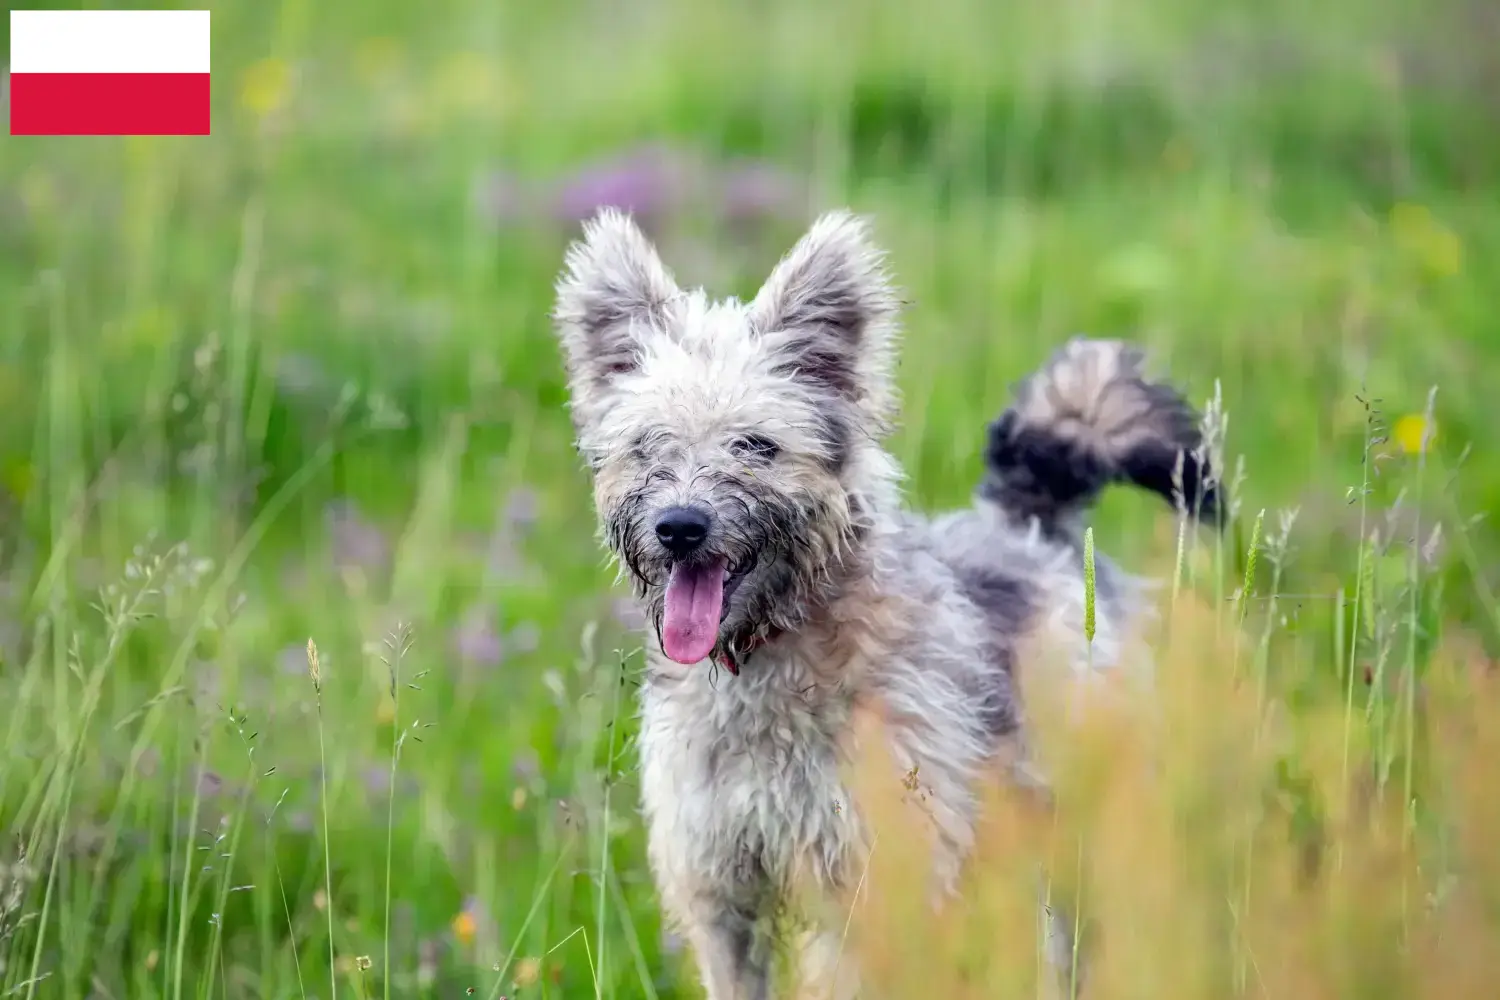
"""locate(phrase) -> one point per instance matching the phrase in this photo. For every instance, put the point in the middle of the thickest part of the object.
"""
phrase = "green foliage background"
(312, 349)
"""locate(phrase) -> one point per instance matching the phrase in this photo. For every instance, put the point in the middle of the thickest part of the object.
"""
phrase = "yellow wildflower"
(265, 86)
(464, 927)
(1413, 433)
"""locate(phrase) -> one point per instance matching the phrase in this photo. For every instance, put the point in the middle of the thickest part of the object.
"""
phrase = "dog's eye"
(755, 446)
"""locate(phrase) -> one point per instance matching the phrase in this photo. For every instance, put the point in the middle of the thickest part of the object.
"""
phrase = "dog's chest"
(744, 778)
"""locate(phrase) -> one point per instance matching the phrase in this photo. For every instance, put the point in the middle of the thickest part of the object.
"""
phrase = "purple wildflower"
(476, 640)
(649, 182)
(357, 543)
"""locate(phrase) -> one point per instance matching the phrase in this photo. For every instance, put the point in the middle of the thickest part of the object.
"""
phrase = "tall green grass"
(293, 384)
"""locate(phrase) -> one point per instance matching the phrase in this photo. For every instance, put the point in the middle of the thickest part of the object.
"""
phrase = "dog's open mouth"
(697, 596)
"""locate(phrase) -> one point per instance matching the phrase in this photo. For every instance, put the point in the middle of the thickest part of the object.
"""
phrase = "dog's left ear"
(614, 290)
(829, 311)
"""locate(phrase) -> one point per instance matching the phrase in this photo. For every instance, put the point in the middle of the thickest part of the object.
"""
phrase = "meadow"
(316, 682)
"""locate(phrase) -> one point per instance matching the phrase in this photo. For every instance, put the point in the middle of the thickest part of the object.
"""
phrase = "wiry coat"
(768, 418)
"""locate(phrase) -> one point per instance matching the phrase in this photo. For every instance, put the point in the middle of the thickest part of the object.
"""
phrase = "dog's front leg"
(730, 934)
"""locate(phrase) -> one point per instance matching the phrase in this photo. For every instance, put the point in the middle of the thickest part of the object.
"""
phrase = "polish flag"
(109, 72)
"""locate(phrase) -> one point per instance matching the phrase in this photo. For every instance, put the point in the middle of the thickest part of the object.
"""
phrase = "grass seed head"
(313, 669)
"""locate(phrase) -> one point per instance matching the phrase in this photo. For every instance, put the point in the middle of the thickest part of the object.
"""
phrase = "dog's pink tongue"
(690, 625)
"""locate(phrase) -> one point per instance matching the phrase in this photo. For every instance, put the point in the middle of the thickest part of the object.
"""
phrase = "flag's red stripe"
(109, 103)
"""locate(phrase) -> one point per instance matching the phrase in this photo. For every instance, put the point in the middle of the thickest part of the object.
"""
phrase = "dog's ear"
(613, 290)
(829, 310)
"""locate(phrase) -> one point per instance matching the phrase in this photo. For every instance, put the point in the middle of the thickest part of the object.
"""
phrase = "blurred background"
(296, 380)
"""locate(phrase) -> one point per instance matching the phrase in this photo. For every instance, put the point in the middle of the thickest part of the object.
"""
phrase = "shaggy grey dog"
(740, 480)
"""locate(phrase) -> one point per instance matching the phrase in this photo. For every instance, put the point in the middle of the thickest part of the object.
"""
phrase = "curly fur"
(770, 416)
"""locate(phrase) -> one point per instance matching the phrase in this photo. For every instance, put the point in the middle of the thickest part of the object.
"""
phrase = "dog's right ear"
(613, 290)
(828, 312)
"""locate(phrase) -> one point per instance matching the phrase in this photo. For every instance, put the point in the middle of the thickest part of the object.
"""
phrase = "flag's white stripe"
(109, 41)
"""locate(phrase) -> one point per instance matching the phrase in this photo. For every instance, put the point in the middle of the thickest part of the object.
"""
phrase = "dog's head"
(735, 447)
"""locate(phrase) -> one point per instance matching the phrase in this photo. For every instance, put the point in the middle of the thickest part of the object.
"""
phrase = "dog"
(738, 469)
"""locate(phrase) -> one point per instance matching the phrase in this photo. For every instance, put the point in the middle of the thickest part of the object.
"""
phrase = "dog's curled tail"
(1088, 418)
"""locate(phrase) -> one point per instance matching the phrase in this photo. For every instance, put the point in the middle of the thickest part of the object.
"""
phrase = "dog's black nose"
(681, 530)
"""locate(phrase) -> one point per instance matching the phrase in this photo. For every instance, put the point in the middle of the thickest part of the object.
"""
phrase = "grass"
(295, 380)
(1205, 830)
